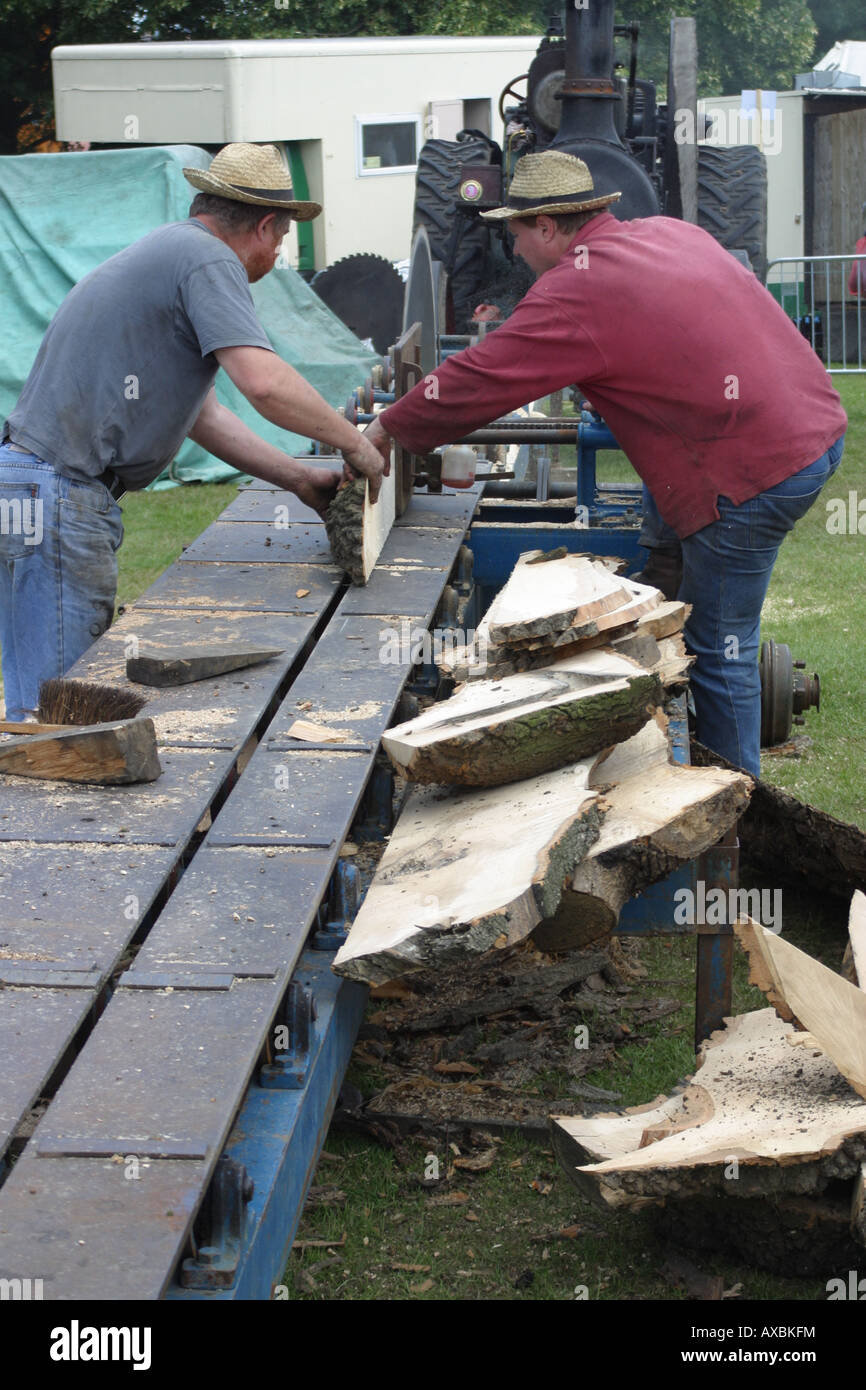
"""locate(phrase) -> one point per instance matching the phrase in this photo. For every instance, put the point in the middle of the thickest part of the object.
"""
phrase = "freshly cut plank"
(465, 871)
(497, 731)
(542, 599)
(107, 754)
(806, 993)
(778, 1118)
(640, 602)
(162, 666)
(357, 529)
(855, 954)
(665, 620)
(660, 816)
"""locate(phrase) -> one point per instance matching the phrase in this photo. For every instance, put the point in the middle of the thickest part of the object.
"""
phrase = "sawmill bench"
(165, 949)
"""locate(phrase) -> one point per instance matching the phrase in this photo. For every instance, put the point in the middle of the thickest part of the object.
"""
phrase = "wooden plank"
(660, 816)
(357, 529)
(857, 939)
(497, 731)
(541, 600)
(455, 881)
(805, 992)
(778, 1113)
(106, 754)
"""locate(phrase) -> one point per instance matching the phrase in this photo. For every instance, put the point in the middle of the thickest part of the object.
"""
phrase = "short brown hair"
(567, 222)
(234, 216)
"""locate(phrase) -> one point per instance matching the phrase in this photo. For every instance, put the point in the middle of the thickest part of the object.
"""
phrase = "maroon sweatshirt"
(704, 381)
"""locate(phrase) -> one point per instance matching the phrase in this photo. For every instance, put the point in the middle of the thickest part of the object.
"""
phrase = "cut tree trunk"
(106, 754)
(806, 993)
(760, 1117)
(466, 871)
(660, 815)
(498, 731)
(357, 529)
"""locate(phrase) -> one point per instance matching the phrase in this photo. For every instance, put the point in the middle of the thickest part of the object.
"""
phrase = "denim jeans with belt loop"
(726, 573)
(59, 539)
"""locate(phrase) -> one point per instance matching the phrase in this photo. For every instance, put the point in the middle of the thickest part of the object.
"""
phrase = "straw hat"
(252, 174)
(551, 182)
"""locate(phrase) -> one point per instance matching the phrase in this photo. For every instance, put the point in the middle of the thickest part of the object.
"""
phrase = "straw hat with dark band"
(551, 182)
(252, 174)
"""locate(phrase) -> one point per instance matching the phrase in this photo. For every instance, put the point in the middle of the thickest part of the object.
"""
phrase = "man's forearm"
(226, 437)
(292, 403)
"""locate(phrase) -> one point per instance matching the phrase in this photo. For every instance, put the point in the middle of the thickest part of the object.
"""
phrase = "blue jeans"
(726, 573)
(58, 572)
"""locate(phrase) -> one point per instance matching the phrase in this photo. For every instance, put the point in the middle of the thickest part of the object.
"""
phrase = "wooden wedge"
(164, 666)
(105, 754)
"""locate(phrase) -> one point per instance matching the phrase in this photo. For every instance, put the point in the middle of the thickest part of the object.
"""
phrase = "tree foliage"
(742, 43)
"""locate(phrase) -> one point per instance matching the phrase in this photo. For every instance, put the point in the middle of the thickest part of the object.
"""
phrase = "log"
(660, 816)
(357, 529)
(106, 754)
(759, 1118)
(162, 666)
(794, 842)
(806, 993)
(458, 877)
(497, 731)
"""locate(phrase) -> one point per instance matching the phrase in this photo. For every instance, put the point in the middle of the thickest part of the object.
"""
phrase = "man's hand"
(317, 488)
(368, 461)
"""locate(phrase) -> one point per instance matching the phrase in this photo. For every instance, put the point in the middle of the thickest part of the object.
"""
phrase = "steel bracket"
(338, 910)
(292, 1041)
(220, 1229)
(376, 818)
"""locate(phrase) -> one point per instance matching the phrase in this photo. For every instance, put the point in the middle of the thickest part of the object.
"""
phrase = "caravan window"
(387, 144)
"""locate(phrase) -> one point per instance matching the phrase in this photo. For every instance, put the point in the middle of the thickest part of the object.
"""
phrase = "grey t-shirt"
(127, 360)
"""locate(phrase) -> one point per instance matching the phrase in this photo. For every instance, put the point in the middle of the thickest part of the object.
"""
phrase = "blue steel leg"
(719, 868)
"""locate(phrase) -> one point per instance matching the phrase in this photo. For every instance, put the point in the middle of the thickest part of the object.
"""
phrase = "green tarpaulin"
(63, 214)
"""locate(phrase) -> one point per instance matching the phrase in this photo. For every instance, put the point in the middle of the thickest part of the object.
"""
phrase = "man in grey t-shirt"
(123, 375)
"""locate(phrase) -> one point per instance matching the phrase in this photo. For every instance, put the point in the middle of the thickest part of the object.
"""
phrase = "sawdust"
(368, 709)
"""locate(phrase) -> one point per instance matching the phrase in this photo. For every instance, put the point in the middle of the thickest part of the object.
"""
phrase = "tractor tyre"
(732, 200)
(460, 240)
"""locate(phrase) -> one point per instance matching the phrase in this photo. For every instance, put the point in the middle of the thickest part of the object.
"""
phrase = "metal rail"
(814, 292)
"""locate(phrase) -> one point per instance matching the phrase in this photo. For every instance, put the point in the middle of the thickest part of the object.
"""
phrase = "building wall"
(782, 142)
(311, 91)
(840, 182)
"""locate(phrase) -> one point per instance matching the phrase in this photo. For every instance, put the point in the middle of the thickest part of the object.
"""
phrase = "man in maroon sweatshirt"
(720, 404)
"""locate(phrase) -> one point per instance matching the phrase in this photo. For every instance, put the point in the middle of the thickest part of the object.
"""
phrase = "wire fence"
(825, 296)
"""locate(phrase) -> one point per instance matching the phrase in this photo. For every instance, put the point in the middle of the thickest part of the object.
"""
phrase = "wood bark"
(760, 1117)
(357, 529)
(498, 731)
(106, 754)
(467, 871)
(806, 993)
(795, 842)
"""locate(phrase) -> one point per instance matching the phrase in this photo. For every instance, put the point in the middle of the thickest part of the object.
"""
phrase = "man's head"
(246, 198)
(550, 197)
